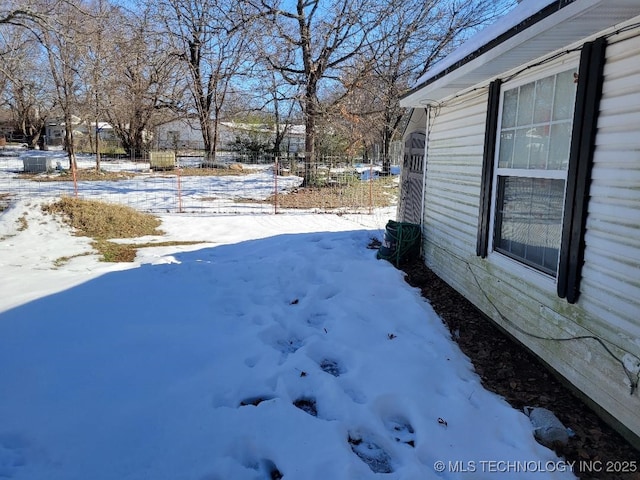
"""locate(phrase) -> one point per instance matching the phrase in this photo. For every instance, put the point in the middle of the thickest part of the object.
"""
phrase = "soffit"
(571, 24)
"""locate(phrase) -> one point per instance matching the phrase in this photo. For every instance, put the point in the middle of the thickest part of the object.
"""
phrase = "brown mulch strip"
(514, 373)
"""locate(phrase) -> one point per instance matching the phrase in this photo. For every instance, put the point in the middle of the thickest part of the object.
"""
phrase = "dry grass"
(5, 201)
(60, 261)
(102, 221)
(91, 175)
(379, 193)
(126, 252)
(22, 223)
(85, 175)
(214, 172)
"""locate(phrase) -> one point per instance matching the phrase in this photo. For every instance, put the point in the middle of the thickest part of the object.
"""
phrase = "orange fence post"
(275, 193)
(179, 192)
(370, 187)
(74, 174)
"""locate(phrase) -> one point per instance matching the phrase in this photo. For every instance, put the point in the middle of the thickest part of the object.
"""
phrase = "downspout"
(427, 111)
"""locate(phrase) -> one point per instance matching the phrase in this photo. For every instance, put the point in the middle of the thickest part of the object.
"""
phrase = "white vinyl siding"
(611, 274)
(455, 145)
(512, 294)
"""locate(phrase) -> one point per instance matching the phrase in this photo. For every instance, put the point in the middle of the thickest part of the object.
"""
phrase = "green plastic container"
(401, 242)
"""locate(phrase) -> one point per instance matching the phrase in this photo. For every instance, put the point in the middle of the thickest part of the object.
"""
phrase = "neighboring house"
(55, 130)
(528, 187)
(181, 134)
(186, 133)
(292, 140)
(104, 129)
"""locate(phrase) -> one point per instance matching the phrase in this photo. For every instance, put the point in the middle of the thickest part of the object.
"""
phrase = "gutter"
(528, 22)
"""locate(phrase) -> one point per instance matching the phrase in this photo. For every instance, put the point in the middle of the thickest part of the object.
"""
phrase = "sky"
(277, 347)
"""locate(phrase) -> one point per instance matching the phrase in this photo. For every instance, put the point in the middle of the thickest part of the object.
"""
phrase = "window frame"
(569, 63)
(581, 152)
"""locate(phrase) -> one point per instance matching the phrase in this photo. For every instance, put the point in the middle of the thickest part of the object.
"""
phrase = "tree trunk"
(205, 128)
(310, 114)
(214, 138)
(309, 150)
(97, 146)
(387, 134)
(69, 142)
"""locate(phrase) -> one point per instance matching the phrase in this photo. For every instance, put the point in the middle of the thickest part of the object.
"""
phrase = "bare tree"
(25, 87)
(282, 108)
(23, 14)
(412, 37)
(144, 84)
(64, 36)
(271, 94)
(101, 54)
(312, 41)
(206, 38)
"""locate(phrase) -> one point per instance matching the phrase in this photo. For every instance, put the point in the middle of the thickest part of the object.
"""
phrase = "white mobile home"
(528, 187)
(186, 133)
(181, 133)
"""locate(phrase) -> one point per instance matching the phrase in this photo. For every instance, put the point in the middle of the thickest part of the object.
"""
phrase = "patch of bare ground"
(511, 371)
(85, 174)
(379, 193)
(217, 172)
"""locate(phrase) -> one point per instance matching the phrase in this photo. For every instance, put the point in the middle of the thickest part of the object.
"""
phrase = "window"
(536, 171)
(532, 159)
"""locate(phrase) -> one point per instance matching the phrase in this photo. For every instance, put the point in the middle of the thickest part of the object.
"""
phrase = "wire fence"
(189, 185)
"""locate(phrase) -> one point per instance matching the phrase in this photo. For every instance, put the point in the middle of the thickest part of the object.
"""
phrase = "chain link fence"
(233, 184)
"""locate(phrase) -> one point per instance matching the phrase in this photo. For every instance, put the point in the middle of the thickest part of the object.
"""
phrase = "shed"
(530, 198)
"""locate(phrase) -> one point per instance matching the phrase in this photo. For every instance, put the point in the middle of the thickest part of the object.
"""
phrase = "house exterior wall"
(187, 133)
(181, 134)
(520, 299)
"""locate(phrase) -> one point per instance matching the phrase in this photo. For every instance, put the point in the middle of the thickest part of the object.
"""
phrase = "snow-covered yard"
(279, 347)
(151, 191)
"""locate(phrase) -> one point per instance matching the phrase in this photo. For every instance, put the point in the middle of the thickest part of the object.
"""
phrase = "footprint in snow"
(255, 401)
(317, 319)
(327, 292)
(270, 469)
(332, 367)
(401, 430)
(266, 468)
(281, 341)
(288, 345)
(378, 460)
(356, 395)
(307, 405)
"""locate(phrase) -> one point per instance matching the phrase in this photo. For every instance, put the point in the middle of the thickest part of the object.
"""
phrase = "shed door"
(411, 188)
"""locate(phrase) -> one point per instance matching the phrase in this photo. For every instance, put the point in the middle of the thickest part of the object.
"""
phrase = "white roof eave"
(574, 22)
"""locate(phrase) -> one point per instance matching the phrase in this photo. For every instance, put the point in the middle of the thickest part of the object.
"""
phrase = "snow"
(277, 344)
(152, 191)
